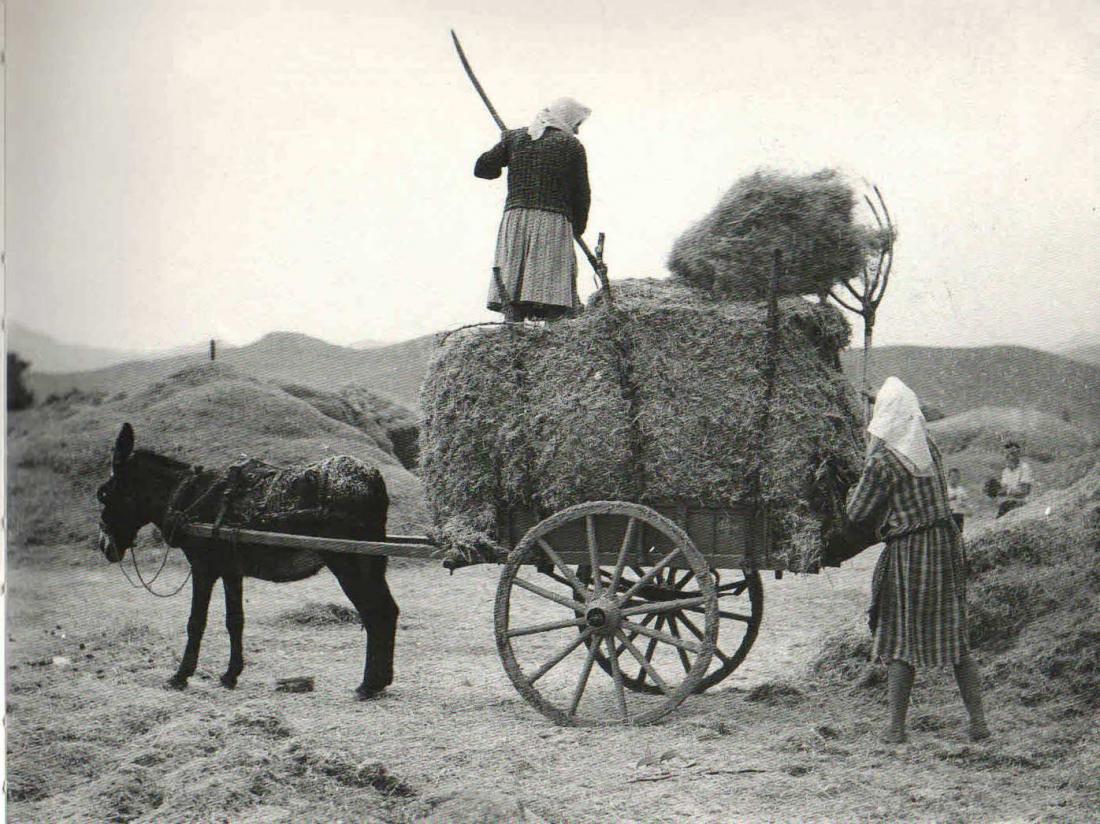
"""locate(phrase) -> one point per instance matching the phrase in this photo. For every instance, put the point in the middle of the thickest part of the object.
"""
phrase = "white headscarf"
(898, 421)
(565, 113)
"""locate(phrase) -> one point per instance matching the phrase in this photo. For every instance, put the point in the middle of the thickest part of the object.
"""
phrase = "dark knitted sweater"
(550, 173)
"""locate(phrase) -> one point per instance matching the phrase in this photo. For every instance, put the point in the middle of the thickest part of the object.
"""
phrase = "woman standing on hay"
(547, 205)
(918, 602)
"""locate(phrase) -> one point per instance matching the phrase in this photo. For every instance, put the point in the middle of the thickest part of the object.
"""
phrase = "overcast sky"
(181, 169)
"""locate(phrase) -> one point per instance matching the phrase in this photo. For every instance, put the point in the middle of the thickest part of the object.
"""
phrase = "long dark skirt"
(537, 264)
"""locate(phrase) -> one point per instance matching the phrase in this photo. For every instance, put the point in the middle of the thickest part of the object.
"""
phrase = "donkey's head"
(123, 513)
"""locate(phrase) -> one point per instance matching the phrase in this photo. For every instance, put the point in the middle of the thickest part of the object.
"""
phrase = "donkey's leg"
(234, 622)
(202, 583)
(364, 582)
(382, 631)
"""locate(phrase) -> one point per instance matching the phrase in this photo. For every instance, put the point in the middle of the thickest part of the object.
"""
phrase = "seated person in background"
(957, 498)
(1015, 479)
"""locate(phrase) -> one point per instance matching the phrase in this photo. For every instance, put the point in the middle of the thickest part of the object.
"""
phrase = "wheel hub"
(603, 617)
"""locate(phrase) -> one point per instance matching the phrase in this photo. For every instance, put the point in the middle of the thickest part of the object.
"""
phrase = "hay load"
(658, 398)
(729, 252)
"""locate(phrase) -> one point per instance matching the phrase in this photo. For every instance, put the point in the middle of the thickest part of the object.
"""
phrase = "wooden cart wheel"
(740, 612)
(551, 630)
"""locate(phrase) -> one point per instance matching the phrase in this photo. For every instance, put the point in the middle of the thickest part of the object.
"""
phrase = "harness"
(173, 517)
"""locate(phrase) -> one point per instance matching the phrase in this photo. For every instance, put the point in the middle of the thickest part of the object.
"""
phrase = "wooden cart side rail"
(401, 546)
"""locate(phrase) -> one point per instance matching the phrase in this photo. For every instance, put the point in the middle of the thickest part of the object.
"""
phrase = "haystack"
(730, 251)
(340, 489)
(661, 397)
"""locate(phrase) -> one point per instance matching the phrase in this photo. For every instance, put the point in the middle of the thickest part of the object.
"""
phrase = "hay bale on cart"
(729, 251)
(658, 398)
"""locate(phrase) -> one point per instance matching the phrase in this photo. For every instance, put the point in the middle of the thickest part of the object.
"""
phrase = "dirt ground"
(93, 735)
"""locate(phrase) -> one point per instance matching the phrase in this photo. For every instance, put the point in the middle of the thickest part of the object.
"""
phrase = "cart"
(666, 599)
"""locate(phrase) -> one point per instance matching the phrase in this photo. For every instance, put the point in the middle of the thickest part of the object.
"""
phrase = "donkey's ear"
(124, 445)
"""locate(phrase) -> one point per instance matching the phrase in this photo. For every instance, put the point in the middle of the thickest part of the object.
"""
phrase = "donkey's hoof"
(369, 693)
(175, 683)
(229, 681)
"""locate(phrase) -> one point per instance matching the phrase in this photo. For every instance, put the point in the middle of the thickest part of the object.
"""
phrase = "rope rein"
(148, 585)
(173, 517)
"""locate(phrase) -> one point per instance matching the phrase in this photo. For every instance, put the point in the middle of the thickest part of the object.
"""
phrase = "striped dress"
(537, 264)
(918, 602)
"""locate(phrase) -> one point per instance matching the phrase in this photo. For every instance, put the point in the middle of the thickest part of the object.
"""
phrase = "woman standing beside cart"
(547, 205)
(918, 609)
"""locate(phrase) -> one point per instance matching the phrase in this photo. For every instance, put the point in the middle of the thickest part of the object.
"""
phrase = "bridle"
(173, 517)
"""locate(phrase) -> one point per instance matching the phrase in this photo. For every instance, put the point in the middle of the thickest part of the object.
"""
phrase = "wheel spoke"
(617, 675)
(535, 628)
(650, 575)
(645, 665)
(561, 579)
(652, 645)
(687, 578)
(733, 616)
(550, 596)
(628, 539)
(683, 655)
(736, 588)
(687, 622)
(690, 646)
(574, 581)
(645, 622)
(583, 681)
(624, 582)
(593, 552)
(663, 606)
(560, 655)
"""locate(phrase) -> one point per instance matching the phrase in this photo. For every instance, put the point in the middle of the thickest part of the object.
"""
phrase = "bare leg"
(202, 582)
(970, 686)
(900, 682)
(234, 623)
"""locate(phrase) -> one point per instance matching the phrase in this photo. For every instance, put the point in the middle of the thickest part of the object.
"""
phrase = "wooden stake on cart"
(873, 286)
(763, 419)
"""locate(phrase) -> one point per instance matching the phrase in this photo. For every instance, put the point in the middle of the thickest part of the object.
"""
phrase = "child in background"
(957, 497)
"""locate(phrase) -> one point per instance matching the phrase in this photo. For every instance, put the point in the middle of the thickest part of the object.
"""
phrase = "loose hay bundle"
(340, 491)
(655, 399)
(729, 252)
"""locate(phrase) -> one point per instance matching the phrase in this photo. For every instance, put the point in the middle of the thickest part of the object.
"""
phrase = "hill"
(1058, 452)
(394, 371)
(47, 354)
(955, 380)
(209, 414)
(1085, 354)
(1043, 436)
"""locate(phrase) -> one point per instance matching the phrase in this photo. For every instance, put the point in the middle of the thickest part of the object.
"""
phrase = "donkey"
(145, 487)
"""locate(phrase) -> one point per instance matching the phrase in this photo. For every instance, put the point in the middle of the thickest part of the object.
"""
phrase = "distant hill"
(47, 354)
(209, 413)
(1086, 354)
(1043, 436)
(394, 371)
(368, 343)
(955, 380)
